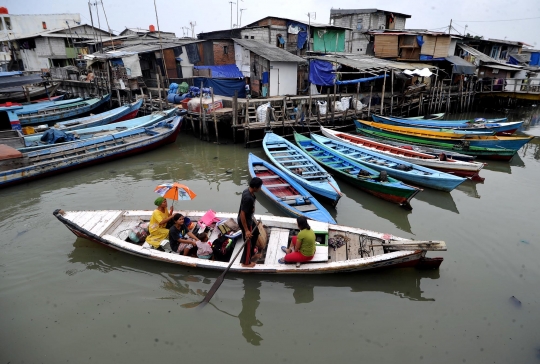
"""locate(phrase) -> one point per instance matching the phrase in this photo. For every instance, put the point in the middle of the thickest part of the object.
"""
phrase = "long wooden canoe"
(17, 167)
(501, 128)
(63, 112)
(402, 170)
(286, 193)
(514, 143)
(441, 163)
(301, 167)
(34, 142)
(463, 148)
(363, 250)
(359, 175)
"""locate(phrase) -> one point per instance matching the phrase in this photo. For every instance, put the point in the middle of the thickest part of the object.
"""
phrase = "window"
(8, 23)
(246, 37)
(495, 52)
(44, 25)
(225, 49)
(359, 24)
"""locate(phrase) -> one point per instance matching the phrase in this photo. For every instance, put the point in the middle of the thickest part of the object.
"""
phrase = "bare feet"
(250, 265)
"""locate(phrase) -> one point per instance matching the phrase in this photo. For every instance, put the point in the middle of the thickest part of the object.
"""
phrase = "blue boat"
(301, 167)
(397, 168)
(487, 128)
(30, 108)
(17, 167)
(285, 192)
(56, 137)
(63, 112)
(365, 178)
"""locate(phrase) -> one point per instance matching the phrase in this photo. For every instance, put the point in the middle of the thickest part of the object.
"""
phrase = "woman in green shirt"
(302, 248)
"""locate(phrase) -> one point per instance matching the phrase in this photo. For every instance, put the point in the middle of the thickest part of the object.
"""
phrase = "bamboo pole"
(235, 114)
(357, 96)
(215, 118)
(200, 112)
(369, 103)
(383, 91)
(392, 94)
(334, 104)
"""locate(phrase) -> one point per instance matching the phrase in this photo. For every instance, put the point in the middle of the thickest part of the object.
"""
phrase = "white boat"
(364, 249)
(452, 166)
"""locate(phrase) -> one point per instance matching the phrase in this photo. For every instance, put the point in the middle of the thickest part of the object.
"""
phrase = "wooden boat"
(473, 140)
(62, 112)
(33, 107)
(422, 149)
(448, 165)
(38, 101)
(399, 169)
(34, 142)
(502, 128)
(286, 193)
(33, 92)
(427, 117)
(462, 147)
(364, 249)
(293, 161)
(17, 167)
(359, 175)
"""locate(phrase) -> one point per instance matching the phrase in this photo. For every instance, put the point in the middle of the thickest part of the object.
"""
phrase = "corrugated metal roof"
(501, 67)
(269, 51)
(363, 11)
(482, 56)
(256, 24)
(372, 64)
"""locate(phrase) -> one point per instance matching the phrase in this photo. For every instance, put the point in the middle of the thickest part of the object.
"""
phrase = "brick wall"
(220, 57)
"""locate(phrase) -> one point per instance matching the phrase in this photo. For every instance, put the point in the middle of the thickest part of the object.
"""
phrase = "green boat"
(357, 174)
(501, 154)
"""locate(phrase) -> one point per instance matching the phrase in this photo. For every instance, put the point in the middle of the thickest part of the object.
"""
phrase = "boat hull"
(50, 168)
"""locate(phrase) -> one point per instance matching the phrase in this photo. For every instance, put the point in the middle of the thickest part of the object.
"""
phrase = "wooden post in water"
(383, 91)
(369, 103)
(357, 101)
(235, 114)
(26, 93)
(392, 94)
(327, 107)
(200, 112)
(334, 103)
(309, 104)
(214, 114)
(246, 125)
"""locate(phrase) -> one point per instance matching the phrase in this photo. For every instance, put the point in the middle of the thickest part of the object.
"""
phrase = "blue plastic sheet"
(320, 73)
(360, 80)
(420, 40)
(53, 136)
(223, 87)
(265, 77)
(223, 71)
(302, 38)
(535, 59)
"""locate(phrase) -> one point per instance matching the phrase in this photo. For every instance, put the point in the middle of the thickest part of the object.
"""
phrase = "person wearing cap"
(246, 223)
(158, 221)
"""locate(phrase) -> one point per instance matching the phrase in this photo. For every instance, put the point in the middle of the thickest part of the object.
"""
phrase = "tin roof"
(269, 51)
(371, 64)
(363, 11)
(483, 57)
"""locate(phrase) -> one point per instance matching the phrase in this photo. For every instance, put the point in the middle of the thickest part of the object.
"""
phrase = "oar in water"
(221, 278)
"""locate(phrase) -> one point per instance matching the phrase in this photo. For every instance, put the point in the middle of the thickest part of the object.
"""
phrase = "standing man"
(246, 223)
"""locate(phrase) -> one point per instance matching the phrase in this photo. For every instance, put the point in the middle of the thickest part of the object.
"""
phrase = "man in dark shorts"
(246, 223)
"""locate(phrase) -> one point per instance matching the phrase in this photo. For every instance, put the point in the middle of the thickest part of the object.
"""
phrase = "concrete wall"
(31, 60)
(50, 47)
(31, 24)
(262, 34)
(283, 78)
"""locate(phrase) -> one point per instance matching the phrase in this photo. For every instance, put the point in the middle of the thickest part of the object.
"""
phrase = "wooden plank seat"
(298, 166)
(275, 146)
(287, 156)
(293, 160)
(260, 168)
(278, 185)
(306, 208)
(292, 197)
(269, 177)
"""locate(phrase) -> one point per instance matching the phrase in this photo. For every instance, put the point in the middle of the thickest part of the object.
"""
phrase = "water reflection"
(469, 188)
(191, 285)
(532, 148)
(441, 199)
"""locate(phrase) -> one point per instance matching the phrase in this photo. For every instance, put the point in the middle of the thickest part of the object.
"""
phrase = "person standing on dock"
(246, 223)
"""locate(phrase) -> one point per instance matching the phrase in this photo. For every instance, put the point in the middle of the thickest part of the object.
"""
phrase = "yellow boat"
(487, 141)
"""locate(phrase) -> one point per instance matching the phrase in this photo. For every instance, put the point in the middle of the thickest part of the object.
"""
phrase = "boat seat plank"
(269, 177)
(275, 146)
(306, 208)
(278, 238)
(98, 216)
(321, 254)
(278, 185)
(297, 165)
(260, 168)
(107, 222)
(83, 217)
(352, 247)
(340, 254)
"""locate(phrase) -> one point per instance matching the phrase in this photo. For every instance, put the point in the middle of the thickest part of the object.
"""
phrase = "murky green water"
(65, 299)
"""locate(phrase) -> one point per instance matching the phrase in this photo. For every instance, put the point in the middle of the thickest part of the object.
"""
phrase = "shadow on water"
(441, 199)
(192, 284)
(469, 188)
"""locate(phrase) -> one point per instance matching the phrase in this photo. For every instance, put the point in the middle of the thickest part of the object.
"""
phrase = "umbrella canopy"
(175, 191)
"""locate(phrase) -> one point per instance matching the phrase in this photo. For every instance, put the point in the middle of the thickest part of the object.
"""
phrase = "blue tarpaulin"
(9, 74)
(360, 80)
(223, 71)
(420, 40)
(302, 38)
(223, 87)
(320, 73)
(53, 136)
(535, 59)
(265, 77)
(512, 60)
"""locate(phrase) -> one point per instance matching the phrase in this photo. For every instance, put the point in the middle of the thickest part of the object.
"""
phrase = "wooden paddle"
(221, 278)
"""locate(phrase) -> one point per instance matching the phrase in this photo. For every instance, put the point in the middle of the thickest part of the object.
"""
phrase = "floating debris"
(524, 242)
(515, 301)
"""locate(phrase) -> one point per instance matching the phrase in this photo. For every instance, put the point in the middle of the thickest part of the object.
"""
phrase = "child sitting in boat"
(204, 250)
